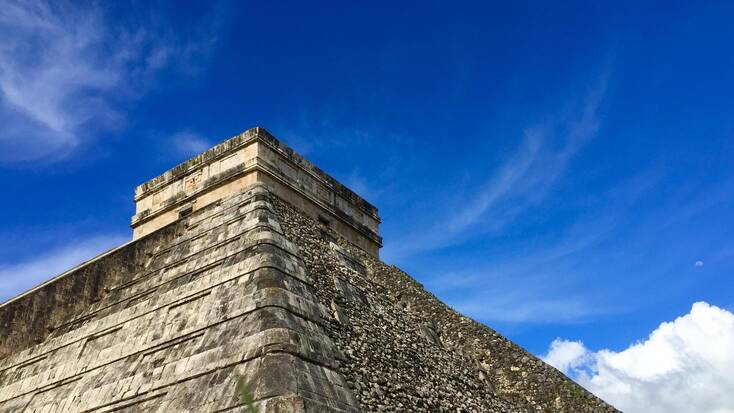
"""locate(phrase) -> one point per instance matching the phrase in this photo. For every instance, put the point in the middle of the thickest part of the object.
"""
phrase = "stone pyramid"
(250, 264)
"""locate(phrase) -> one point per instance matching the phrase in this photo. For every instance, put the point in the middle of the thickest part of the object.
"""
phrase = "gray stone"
(267, 283)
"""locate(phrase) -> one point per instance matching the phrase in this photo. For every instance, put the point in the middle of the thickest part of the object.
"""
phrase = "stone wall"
(252, 286)
(28, 319)
(168, 322)
(409, 352)
(255, 156)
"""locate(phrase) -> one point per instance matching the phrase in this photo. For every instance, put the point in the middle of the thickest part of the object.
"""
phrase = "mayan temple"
(248, 263)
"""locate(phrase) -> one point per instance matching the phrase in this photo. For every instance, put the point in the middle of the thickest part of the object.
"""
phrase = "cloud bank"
(683, 366)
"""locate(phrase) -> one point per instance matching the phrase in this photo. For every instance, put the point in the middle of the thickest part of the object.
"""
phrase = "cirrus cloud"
(21, 276)
(64, 69)
(188, 143)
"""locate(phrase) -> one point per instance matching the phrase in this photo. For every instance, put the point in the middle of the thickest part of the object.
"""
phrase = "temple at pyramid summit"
(252, 273)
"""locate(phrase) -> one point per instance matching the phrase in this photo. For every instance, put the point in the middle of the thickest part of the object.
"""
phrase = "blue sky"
(555, 171)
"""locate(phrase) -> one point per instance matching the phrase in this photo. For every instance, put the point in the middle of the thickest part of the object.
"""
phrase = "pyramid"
(253, 273)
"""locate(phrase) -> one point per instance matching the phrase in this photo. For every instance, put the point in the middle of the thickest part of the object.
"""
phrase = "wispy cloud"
(540, 160)
(545, 283)
(188, 143)
(21, 276)
(523, 180)
(64, 68)
(572, 273)
(520, 307)
(360, 184)
(555, 277)
(356, 142)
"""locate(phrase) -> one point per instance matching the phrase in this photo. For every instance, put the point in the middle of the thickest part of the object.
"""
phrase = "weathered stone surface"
(253, 281)
(406, 351)
(255, 156)
(223, 295)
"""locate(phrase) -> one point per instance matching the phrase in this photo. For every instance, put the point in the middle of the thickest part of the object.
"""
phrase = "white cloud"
(18, 277)
(699, 263)
(567, 355)
(189, 143)
(541, 159)
(683, 366)
(358, 183)
(525, 179)
(63, 68)
(513, 306)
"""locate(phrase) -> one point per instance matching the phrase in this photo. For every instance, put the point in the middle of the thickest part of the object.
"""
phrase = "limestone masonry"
(255, 156)
(248, 261)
